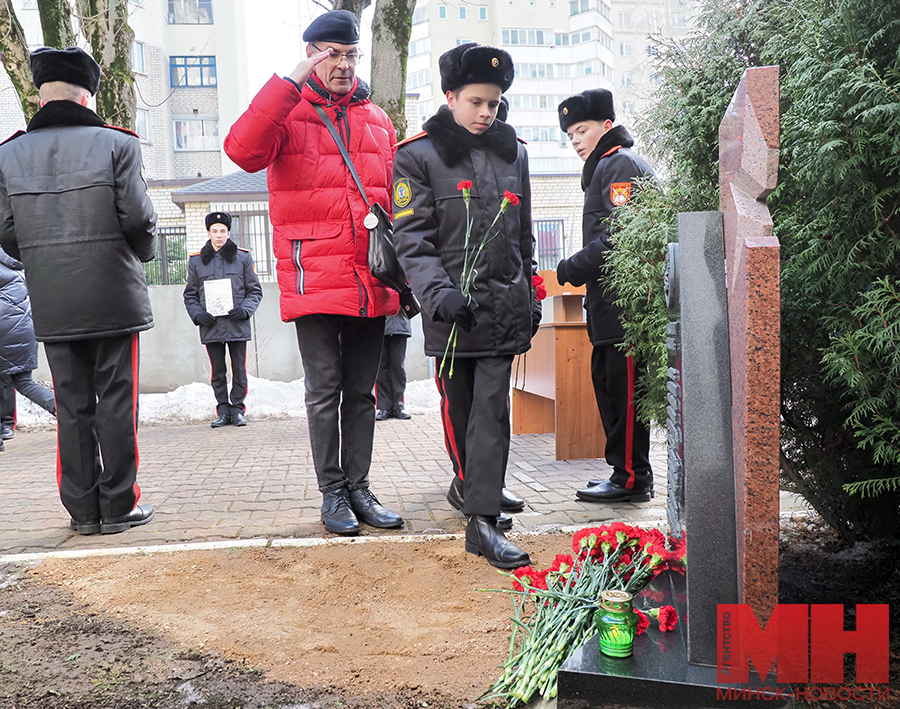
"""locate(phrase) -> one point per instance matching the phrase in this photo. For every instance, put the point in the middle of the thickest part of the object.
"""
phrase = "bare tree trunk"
(105, 25)
(14, 49)
(354, 6)
(391, 28)
(56, 23)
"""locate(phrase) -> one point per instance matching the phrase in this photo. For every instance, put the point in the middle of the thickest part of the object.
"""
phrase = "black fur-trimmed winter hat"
(473, 63)
(72, 65)
(590, 105)
(338, 26)
(218, 218)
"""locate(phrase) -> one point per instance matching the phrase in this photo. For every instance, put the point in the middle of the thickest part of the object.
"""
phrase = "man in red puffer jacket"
(321, 245)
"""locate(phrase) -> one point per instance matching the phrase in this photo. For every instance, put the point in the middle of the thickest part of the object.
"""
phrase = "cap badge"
(566, 111)
(495, 62)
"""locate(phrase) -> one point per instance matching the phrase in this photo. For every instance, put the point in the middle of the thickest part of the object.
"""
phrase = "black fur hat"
(72, 65)
(473, 63)
(338, 26)
(503, 109)
(218, 218)
(590, 105)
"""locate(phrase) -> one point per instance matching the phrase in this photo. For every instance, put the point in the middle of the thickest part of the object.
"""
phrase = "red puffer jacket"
(315, 206)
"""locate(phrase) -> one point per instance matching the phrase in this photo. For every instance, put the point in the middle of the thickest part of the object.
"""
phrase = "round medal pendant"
(371, 221)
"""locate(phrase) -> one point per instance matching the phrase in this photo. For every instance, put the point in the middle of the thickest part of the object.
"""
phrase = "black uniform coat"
(430, 229)
(18, 348)
(246, 292)
(607, 183)
(75, 211)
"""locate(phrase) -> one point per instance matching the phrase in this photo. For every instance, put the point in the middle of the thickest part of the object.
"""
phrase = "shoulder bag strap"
(343, 149)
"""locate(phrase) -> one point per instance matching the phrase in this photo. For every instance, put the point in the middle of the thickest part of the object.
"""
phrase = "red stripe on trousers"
(449, 435)
(135, 365)
(629, 426)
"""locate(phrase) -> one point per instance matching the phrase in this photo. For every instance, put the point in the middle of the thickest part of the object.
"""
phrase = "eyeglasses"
(334, 59)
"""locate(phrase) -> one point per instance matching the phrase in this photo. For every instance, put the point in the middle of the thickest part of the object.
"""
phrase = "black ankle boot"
(337, 515)
(484, 538)
(455, 498)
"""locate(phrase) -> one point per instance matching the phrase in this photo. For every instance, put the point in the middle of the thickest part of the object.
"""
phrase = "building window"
(625, 49)
(425, 109)
(550, 238)
(420, 15)
(605, 9)
(561, 40)
(192, 71)
(417, 79)
(463, 40)
(581, 37)
(463, 12)
(29, 4)
(137, 57)
(534, 71)
(605, 39)
(527, 37)
(442, 12)
(420, 46)
(196, 134)
(624, 19)
(627, 78)
(482, 13)
(142, 124)
(576, 7)
(190, 12)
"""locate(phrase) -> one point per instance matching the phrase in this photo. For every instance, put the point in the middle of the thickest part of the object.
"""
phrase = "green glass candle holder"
(616, 623)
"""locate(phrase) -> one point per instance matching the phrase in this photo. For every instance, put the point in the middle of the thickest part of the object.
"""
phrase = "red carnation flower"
(537, 280)
(464, 185)
(540, 293)
(510, 197)
(668, 617)
(643, 622)
(525, 574)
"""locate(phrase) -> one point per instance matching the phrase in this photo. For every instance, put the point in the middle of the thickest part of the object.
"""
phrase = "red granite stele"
(748, 172)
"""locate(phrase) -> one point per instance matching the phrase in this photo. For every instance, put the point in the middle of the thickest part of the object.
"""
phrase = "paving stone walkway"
(258, 482)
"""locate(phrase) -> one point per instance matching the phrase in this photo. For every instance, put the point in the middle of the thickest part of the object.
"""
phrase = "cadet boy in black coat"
(220, 259)
(463, 143)
(610, 166)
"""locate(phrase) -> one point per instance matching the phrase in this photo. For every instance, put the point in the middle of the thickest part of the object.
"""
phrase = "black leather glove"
(453, 307)
(238, 313)
(205, 319)
(536, 314)
(562, 273)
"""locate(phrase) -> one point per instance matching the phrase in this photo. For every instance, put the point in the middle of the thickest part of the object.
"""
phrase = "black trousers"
(8, 404)
(340, 357)
(27, 387)
(475, 415)
(96, 386)
(391, 382)
(219, 378)
(627, 438)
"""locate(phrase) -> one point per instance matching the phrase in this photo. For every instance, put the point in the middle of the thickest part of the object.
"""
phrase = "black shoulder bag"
(383, 263)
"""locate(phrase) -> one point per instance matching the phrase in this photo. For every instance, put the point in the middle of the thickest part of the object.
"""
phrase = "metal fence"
(250, 230)
(550, 236)
(170, 265)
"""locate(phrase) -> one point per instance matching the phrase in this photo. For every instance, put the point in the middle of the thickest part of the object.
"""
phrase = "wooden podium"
(552, 388)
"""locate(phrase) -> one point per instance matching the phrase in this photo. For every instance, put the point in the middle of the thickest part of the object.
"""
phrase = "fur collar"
(229, 251)
(616, 136)
(452, 141)
(64, 113)
(361, 92)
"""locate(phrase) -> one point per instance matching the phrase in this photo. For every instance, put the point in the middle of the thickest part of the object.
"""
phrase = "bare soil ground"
(356, 626)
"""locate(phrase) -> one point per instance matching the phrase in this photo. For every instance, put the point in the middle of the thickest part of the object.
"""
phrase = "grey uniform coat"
(228, 262)
(430, 228)
(81, 233)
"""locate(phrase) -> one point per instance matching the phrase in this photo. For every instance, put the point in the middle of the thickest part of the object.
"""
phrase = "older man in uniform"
(77, 214)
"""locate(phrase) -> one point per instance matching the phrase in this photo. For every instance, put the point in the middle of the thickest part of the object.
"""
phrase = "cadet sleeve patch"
(402, 193)
(619, 193)
(404, 213)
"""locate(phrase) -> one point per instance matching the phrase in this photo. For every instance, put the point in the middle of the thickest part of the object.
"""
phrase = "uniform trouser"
(27, 387)
(7, 404)
(627, 438)
(475, 415)
(391, 381)
(219, 378)
(96, 386)
(340, 357)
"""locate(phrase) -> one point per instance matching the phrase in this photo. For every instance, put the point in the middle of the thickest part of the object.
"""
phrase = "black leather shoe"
(238, 419)
(510, 502)
(455, 498)
(141, 514)
(367, 508)
(382, 415)
(337, 516)
(221, 420)
(595, 483)
(92, 527)
(6, 432)
(608, 491)
(398, 412)
(485, 539)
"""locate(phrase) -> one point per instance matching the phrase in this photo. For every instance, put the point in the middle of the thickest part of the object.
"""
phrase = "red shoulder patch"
(411, 139)
(122, 130)
(619, 193)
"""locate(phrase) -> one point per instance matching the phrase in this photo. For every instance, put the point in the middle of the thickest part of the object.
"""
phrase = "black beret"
(590, 105)
(473, 63)
(503, 109)
(72, 65)
(338, 26)
(218, 218)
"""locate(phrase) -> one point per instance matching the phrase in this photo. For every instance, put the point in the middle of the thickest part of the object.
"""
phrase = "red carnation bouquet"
(472, 252)
(554, 608)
